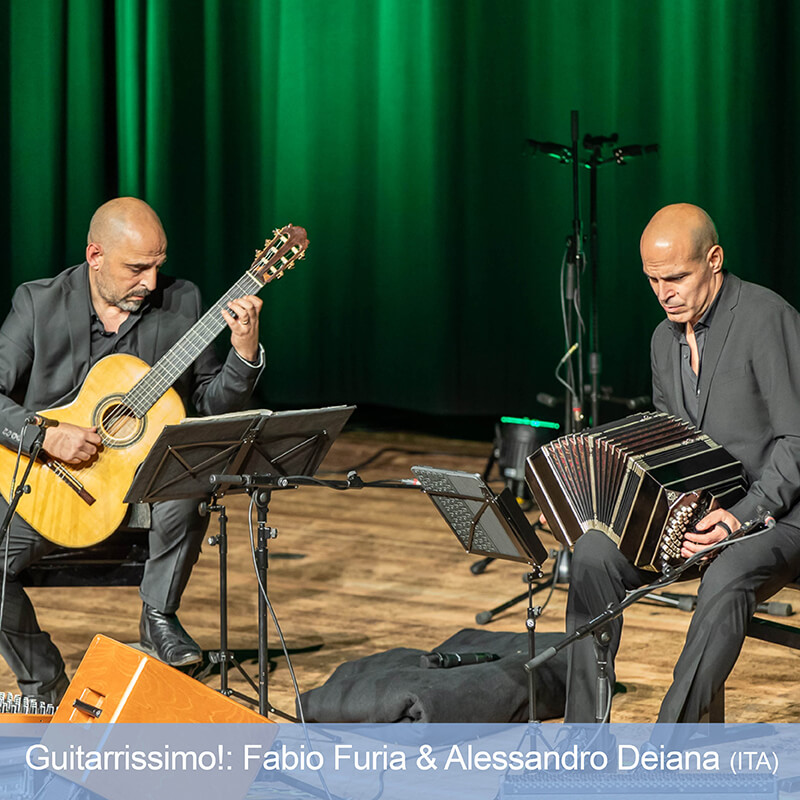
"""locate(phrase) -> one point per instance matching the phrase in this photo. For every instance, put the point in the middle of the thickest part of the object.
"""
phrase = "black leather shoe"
(163, 636)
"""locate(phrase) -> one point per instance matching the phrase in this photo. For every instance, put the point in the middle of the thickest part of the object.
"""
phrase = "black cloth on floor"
(393, 687)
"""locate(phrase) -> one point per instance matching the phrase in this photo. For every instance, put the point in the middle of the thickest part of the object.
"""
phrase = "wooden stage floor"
(358, 572)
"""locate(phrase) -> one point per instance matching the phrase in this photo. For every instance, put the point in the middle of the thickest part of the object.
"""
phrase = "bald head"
(682, 259)
(126, 248)
(121, 218)
(683, 225)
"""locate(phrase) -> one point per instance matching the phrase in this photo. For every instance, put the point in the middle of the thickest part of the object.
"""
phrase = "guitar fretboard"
(178, 358)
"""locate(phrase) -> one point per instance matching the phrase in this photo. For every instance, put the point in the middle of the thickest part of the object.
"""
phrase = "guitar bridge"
(70, 480)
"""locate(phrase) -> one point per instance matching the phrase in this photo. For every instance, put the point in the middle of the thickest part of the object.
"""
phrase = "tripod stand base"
(479, 567)
(688, 602)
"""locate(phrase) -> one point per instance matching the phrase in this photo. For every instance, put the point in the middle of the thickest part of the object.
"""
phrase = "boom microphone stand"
(573, 400)
(575, 260)
(598, 626)
(22, 487)
(594, 144)
(260, 488)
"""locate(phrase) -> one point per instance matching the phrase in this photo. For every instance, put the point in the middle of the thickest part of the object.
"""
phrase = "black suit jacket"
(749, 387)
(45, 349)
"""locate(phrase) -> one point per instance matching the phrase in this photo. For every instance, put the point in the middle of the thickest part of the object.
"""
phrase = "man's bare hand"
(243, 322)
(71, 443)
(708, 531)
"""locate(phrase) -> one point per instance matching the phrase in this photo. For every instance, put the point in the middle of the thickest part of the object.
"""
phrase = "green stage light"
(534, 423)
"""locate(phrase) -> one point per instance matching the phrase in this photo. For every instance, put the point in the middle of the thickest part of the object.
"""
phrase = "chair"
(117, 561)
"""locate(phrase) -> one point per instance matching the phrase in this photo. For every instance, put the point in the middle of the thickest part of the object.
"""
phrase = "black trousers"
(740, 577)
(175, 538)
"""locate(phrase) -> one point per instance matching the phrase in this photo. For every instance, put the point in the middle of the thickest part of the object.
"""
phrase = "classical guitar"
(130, 403)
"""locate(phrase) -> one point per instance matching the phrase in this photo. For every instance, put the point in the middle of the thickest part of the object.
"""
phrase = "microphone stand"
(598, 626)
(573, 401)
(595, 144)
(533, 614)
(595, 161)
(23, 487)
(260, 488)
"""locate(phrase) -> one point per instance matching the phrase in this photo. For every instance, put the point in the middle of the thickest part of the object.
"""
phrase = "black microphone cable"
(262, 589)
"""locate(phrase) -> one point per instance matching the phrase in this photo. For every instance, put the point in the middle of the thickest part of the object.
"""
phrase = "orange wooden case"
(126, 685)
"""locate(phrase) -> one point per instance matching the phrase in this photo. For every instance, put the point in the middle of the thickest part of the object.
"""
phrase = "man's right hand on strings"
(71, 444)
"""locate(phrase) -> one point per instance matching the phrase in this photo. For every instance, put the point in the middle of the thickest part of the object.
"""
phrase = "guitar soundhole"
(117, 424)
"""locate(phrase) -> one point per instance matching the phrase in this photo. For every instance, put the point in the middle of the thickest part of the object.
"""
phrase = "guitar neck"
(184, 352)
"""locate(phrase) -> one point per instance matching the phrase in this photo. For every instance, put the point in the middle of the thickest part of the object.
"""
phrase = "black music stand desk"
(262, 442)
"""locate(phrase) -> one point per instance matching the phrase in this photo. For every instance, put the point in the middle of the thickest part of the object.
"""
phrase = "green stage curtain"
(393, 131)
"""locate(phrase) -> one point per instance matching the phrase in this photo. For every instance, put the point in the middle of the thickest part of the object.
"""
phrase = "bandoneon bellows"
(642, 480)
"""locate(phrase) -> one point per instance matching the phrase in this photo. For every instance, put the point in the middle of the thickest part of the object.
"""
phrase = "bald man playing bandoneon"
(117, 301)
(727, 359)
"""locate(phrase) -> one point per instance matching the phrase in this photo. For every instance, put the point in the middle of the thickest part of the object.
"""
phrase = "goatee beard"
(129, 303)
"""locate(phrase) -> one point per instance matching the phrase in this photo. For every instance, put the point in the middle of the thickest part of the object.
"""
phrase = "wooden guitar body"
(129, 403)
(80, 505)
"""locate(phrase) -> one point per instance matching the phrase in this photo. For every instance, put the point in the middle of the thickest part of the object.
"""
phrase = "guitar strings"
(141, 397)
(144, 394)
(211, 323)
(159, 378)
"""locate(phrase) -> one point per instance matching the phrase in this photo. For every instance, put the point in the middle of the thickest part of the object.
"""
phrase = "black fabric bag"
(393, 687)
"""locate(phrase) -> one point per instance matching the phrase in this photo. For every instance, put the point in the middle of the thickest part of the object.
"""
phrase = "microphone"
(547, 400)
(763, 520)
(235, 480)
(642, 401)
(447, 660)
(40, 421)
(545, 655)
(633, 151)
(552, 149)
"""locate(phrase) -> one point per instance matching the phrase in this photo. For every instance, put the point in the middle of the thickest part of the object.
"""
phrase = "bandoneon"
(643, 481)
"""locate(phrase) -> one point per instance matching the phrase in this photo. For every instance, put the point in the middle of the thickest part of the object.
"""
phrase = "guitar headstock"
(279, 253)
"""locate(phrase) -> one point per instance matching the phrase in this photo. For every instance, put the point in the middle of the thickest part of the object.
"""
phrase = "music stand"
(183, 460)
(488, 525)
